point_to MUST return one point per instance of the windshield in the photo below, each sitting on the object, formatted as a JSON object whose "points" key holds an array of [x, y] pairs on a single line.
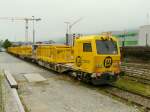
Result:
{"points": [[106, 47]]}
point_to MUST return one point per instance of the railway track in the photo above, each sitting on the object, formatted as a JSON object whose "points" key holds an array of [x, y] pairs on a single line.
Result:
{"points": [[131, 97], [137, 72], [138, 79]]}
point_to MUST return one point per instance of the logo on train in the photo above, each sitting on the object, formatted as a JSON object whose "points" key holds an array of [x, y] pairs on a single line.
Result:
{"points": [[78, 61], [107, 62]]}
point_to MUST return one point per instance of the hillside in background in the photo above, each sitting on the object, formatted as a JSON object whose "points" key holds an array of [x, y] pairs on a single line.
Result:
{"points": [[60, 40]]}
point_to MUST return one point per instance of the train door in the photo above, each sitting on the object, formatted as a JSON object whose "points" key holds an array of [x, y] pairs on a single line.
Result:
{"points": [[87, 56], [84, 56], [78, 54]]}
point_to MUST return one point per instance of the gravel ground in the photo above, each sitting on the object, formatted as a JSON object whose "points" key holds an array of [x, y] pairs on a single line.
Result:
{"points": [[57, 94]]}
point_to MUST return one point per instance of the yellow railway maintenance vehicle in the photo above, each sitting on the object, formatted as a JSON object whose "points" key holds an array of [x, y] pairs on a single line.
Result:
{"points": [[93, 58], [97, 58]]}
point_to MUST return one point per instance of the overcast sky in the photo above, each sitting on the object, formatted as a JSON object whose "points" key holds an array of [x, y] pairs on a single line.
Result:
{"points": [[98, 16]]}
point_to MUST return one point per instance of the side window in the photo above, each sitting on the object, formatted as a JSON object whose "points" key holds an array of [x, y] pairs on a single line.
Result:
{"points": [[87, 47]]}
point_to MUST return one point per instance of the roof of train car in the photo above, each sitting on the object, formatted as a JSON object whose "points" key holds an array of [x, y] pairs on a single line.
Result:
{"points": [[91, 37]]}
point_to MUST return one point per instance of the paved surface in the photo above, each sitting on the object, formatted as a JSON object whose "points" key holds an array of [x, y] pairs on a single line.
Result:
{"points": [[34, 77], [57, 93]]}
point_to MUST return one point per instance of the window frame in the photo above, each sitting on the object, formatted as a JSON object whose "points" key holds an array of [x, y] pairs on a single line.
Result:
{"points": [[85, 49], [99, 53]]}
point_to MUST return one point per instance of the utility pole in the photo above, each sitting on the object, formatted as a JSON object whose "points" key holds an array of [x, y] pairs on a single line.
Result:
{"points": [[33, 30], [26, 30], [69, 33], [146, 40], [124, 38], [33, 20]]}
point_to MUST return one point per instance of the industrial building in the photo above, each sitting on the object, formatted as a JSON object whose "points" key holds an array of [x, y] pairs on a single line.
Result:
{"points": [[127, 38], [140, 37]]}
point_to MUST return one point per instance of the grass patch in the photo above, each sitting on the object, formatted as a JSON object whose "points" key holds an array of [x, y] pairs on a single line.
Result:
{"points": [[133, 86], [25, 107]]}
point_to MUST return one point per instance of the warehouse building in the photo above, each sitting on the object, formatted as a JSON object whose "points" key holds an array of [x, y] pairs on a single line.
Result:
{"points": [[140, 37]]}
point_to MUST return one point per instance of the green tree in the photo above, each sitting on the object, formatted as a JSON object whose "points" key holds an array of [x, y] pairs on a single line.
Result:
{"points": [[1, 43], [6, 44]]}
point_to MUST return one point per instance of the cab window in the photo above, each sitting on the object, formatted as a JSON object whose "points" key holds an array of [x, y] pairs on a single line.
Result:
{"points": [[87, 47], [106, 47]]}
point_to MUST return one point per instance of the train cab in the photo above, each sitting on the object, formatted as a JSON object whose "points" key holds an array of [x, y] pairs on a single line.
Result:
{"points": [[97, 57]]}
